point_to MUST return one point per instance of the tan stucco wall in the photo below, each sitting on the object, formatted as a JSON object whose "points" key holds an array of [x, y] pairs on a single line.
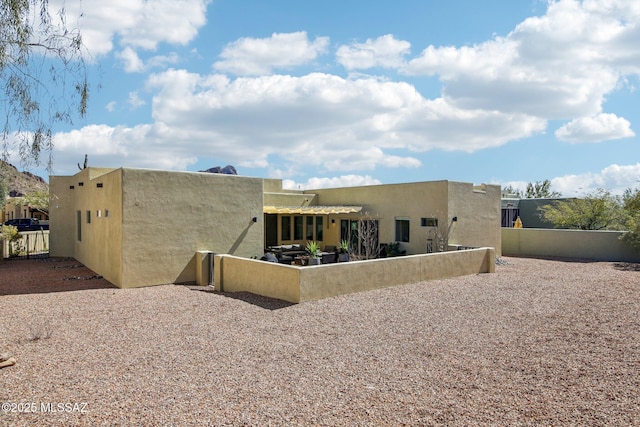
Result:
{"points": [[391, 201], [595, 245], [299, 284], [157, 221], [101, 238], [169, 216], [477, 209], [61, 213], [235, 274], [289, 199]]}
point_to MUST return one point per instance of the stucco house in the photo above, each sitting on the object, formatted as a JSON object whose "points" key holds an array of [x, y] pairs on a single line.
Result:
{"points": [[139, 227], [421, 216]]}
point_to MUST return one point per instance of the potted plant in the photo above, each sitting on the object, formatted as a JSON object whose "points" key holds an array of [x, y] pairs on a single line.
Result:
{"points": [[314, 252], [343, 256]]}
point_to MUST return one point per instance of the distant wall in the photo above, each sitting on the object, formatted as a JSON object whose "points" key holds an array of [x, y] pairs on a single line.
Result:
{"points": [[300, 284], [596, 245]]}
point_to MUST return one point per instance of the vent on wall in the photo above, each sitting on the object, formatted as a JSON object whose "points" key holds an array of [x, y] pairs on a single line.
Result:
{"points": [[99, 185], [71, 187], [80, 184]]}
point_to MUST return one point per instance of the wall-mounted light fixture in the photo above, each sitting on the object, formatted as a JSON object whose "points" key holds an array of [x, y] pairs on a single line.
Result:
{"points": [[254, 219], [454, 219]]}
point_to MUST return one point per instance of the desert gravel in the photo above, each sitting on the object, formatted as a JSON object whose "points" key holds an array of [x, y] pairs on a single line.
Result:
{"points": [[540, 342]]}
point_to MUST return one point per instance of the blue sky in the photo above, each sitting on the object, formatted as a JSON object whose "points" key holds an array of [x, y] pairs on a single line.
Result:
{"points": [[336, 93]]}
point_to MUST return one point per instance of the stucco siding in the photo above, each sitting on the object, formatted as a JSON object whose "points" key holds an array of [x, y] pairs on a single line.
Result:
{"points": [[86, 220], [477, 209], [300, 284], [61, 211], [599, 245], [169, 216]]}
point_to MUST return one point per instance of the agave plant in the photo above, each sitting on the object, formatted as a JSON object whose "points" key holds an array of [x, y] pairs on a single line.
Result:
{"points": [[314, 249]]}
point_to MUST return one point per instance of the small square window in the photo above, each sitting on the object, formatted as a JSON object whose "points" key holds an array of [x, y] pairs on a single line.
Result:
{"points": [[98, 213], [106, 213], [429, 222], [88, 217]]}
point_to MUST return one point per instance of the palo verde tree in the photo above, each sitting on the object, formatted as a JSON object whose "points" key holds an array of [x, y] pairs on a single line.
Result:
{"points": [[535, 190], [631, 201], [43, 79], [540, 190], [3, 195], [598, 211], [37, 200]]}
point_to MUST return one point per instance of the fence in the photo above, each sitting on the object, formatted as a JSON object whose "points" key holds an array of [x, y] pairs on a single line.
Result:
{"points": [[31, 244], [299, 284], [601, 245]]}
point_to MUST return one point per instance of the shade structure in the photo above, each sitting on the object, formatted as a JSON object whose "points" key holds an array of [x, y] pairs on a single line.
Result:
{"points": [[312, 210]]}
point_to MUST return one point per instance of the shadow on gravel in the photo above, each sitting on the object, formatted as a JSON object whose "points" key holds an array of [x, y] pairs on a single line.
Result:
{"points": [[257, 300], [558, 258], [45, 275], [626, 266]]}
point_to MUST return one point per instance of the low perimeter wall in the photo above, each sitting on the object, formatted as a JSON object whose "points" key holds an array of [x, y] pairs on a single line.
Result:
{"points": [[299, 284], [595, 245]]}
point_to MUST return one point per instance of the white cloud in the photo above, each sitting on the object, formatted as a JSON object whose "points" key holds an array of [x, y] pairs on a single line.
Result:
{"points": [[135, 101], [134, 23], [252, 56], [334, 182], [111, 106], [385, 51], [602, 127], [131, 61], [328, 121], [556, 66], [613, 178], [322, 121], [107, 146]]}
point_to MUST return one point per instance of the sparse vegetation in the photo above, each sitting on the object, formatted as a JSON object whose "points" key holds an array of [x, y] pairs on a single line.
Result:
{"points": [[598, 211], [11, 235], [535, 190], [39, 332], [368, 246], [631, 207], [37, 96]]}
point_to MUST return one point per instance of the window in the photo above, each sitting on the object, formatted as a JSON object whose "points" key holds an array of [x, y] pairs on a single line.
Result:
{"points": [[88, 217], [402, 229], [319, 231], [297, 227], [429, 222], [309, 234], [286, 227], [98, 213], [79, 225]]}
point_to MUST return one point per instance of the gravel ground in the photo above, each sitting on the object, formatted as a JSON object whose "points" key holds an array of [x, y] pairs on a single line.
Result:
{"points": [[540, 342]]}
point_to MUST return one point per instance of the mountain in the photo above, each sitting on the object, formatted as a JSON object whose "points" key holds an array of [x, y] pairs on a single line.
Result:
{"points": [[228, 170], [20, 183]]}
